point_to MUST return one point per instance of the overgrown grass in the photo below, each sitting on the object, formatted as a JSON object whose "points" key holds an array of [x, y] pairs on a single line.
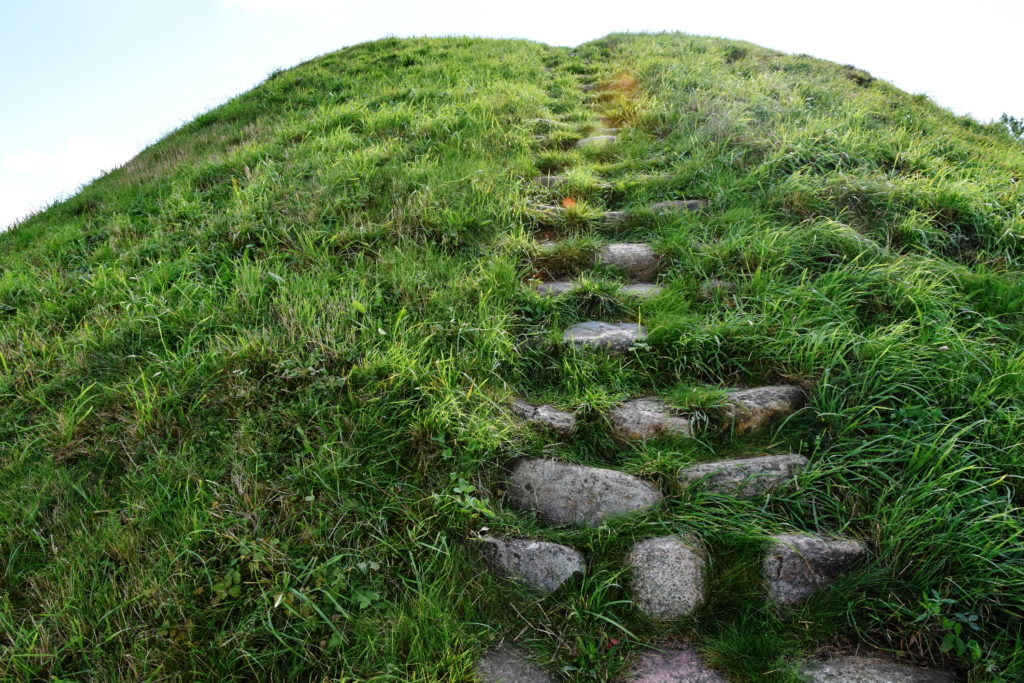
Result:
{"points": [[252, 384]]}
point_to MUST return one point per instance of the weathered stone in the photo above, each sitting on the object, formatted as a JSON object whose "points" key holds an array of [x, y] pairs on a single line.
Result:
{"points": [[750, 410], [871, 669], [550, 181], [555, 287], [796, 565], [539, 565], [615, 218], [588, 87], [612, 337], [646, 418], [641, 290], [678, 205], [545, 416], [673, 665], [668, 576], [713, 287], [507, 665], [744, 477], [596, 141], [564, 493], [549, 211], [545, 124], [636, 258]]}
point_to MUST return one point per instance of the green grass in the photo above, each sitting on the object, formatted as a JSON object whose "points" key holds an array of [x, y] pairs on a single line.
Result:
{"points": [[252, 384]]}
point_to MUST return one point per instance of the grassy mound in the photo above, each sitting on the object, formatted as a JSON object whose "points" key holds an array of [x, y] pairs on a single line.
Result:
{"points": [[253, 384]]}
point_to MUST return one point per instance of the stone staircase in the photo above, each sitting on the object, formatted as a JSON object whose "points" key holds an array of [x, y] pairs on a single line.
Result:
{"points": [[668, 574]]}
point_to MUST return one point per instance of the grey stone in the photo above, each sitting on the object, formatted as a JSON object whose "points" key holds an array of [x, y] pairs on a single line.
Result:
{"points": [[672, 665], [507, 665], [750, 410], [549, 211], [646, 418], [668, 576], [615, 218], [550, 181], [564, 493], [678, 205], [588, 87], [612, 337], [546, 124], [744, 477], [636, 258], [796, 565], [596, 141], [555, 287], [545, 416], [641, 290], [713, 287], [871, 669], [539, 565]]}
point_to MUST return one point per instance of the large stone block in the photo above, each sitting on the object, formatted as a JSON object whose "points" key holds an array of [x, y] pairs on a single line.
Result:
{"points": [[667, 576], [744, 477], [796, 565], [646, 418], [539, 565], [612, 337]]}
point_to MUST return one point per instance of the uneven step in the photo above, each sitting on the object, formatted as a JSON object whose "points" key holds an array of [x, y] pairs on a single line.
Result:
{"points": [[744, 477], [871, 669], [545, 416], [564, 493], [612, 337], [614, 218], [637, 290], [750, 410], [641, 290], [636, 258], [596, 141], [796, 565], [668, 576], [672, 665], [539, 565], [507, 665], [678, 206], [646, 418], [554, 181]]}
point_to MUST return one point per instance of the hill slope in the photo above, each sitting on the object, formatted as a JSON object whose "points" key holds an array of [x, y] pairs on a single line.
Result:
{"points": [[254, 385]]}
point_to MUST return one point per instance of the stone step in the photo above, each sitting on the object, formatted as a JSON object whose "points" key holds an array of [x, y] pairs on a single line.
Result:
{"points": [[552, 182], [611, 337], [565, 493], [545, 416], [744, 477], [505, 664], [870, 669], [750, 410], [672, 665], [647, 418], [796, 565], [637, 290], [667, 576], [541, 566], [637, 259], [678, 206], [596, 141]]}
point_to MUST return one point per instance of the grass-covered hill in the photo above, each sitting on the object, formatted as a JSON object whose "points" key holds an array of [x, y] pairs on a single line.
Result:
{"points": [[255, 384]]}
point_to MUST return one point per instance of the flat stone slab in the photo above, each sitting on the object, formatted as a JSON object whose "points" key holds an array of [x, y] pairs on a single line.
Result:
{"points": [[678, 206], [668, 576], [871, 669], [674, 665], [550, 181], [796, 565], [539, 565], [545, 416], [596, 141], [646, 418], [637, 259], [507, 665], [641, 290], [555, 287], [750, 410], [613, 337], [565, 493], [744, 477], [614, 218]]}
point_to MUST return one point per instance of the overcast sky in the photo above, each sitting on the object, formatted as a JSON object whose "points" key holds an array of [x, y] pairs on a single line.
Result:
{"points": [[86, 84]]}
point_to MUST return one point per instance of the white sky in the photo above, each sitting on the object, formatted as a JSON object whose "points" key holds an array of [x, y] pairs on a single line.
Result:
{"points": [[88, 83]]}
